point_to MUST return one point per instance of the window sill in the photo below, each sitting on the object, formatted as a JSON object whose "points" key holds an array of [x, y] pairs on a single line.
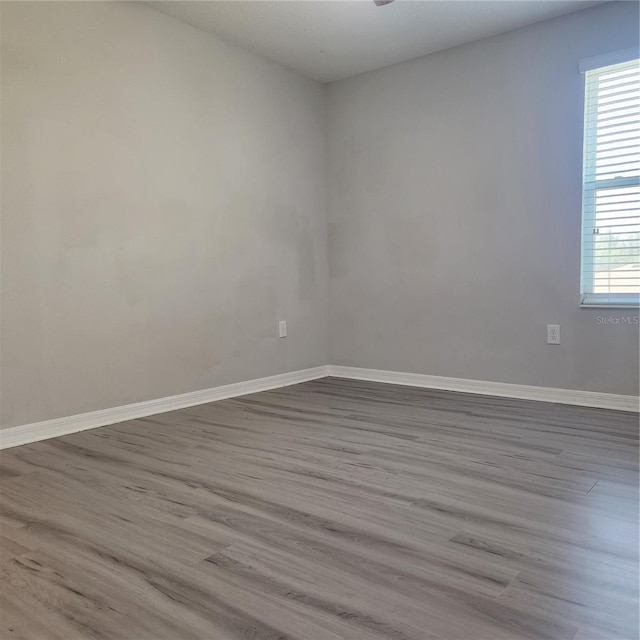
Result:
{"points": [[629, 307], [610, 301]]}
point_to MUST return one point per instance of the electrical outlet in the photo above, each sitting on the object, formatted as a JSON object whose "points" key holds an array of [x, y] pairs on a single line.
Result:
{"points": [[282, 328], [553, 334]]}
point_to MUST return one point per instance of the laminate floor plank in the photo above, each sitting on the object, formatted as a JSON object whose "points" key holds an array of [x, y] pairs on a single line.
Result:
{"points": [[330, 510], [611, 567], [583, 605]]}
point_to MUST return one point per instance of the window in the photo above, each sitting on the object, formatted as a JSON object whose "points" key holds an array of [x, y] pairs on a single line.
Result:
{"points": [[611, 186]]}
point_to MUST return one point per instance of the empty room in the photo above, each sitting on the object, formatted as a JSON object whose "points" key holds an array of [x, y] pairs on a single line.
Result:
{"points": [[319, 320]]}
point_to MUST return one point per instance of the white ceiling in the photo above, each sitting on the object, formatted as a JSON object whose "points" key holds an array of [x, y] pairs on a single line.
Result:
{"points": [[332, 39]]}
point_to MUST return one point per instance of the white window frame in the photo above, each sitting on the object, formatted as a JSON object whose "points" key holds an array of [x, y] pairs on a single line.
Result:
{"points": [[590, 185]]}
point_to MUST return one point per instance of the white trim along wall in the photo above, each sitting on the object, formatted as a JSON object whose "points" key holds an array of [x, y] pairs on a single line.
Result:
{"points": [[24, 434]]}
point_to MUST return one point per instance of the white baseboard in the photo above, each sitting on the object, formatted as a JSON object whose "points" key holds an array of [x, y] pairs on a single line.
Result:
{"points": [[500, 389], [26, 433], [23, 434]]}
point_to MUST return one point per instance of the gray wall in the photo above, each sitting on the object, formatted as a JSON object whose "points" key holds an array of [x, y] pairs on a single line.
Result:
{"points": [[163, 205], [454, 212]]}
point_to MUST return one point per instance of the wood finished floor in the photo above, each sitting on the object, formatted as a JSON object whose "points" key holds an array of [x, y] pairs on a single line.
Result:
{"points": [[332, 509]]}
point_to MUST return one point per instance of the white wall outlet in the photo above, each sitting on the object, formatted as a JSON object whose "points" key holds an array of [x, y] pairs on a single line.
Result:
{"points": [[282, 328], [553, 334]]}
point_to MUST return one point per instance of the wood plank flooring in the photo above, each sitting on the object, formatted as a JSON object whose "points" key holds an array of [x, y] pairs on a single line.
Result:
{"points": [[330, 510]]}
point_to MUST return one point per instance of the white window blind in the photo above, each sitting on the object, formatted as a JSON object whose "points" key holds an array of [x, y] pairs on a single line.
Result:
{"points": [[611, 187]]}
